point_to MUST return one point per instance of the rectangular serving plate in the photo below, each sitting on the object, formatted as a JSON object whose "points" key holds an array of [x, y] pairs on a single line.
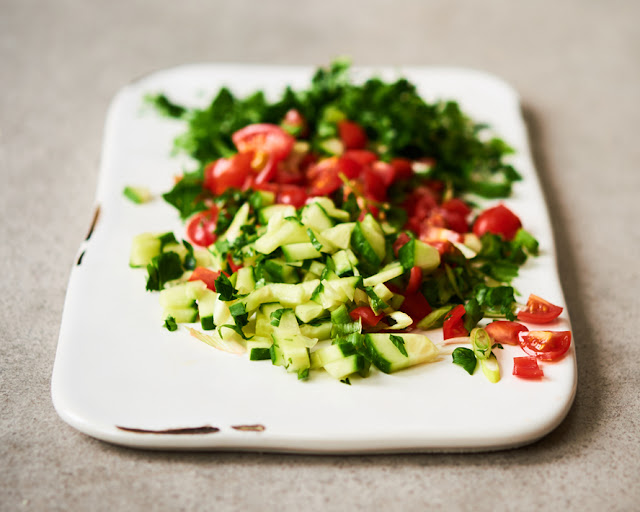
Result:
{"points": [[119, 376]]}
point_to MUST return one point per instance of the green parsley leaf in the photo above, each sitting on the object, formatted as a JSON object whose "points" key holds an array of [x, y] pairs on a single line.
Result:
{"points": [[165, 267], [239, 314], [225, 288], [170, 323], [399, 343], [189, 259], [466, 358]]}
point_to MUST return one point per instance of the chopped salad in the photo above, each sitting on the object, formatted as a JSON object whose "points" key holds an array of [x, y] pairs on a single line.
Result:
{"points": [[333, 228]]}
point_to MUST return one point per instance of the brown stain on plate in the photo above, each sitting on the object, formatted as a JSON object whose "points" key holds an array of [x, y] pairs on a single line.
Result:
{"points": [[249, 428], [206, 429], [96, 215]]}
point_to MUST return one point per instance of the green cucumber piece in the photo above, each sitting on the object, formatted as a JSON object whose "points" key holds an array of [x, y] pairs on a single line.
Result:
{"points": [[285, 210], [239, 220], [416, 253], [300, 251], [341, 368], [315, 217], [391, 271], [388, 358]]}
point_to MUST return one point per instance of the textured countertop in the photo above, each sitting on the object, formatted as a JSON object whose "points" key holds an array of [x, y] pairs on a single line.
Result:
{"points": [[576, 67]]}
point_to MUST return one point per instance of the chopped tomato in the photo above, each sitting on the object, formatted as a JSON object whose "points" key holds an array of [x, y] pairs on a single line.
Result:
{"points": [[294, 124], [402, 239], [292, 194], [324, 176], [227, 173], [415, 305], [455, 212], [453, 326], [201, 227], [527, 368], [386, 172], [264, 138], [207, 276], [373, 186], [352, 135], [504, 331], [402, 168], [539, 311], [498, 220], [362, 156], [443, 246], [232, 264], [545, 345], [415, 279], [366, 314]]}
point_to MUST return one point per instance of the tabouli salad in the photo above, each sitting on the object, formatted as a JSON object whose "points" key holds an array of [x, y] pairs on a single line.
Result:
{"points": [[330, 229]]}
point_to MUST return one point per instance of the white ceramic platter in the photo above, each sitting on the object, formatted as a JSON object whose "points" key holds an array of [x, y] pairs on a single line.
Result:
{"points": [[116, 366]]}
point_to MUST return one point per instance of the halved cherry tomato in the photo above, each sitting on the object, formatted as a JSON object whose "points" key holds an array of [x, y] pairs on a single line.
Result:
{"points": [[498, 220], [455, 212], [527, 368], [456, 205], [366, 314], [227, 173], [201, 227], [539, 311], [352, 135], [545, 345], [374, 187], [504, 331], [292, 194], [207, 276], [453, 326], [415, 305], [415, 279]]}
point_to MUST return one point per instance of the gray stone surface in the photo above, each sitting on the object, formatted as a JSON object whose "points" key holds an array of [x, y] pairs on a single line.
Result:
{"points": [[576, 65]]}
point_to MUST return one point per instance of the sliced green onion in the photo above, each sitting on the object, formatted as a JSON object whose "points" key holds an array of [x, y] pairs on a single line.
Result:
{"points": [[490, 368], [481, 343]]}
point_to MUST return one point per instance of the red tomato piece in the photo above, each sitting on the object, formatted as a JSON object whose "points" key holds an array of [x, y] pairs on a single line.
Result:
{"points": [[504, 331], [386, 172], [264, 138], [402, 239], [366, 314], [207, 276], [294, 123], [403, 168], [292, 194], [373, 186], [352, 135], [539, 311], [498, 220], [545, 345], [453, 326], [324, 176], [415, 305], [415, 279], [527, 368], [232, 265], [362, 156], [227, 173], [201, 227], [456, 205]]}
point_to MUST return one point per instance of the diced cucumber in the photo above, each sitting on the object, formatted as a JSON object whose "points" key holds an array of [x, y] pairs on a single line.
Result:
{"points": [[257, 297], [182, 315], [264, 328], [289, 295], [332, 146], [285, 210], [317, 268], [383, 292], [239, 220], [300, 251], [340, 234], [315, 217], [182, 295], [369, 260], [308, 311], [387, 357], [286, 231], [331, 353], [138, 195], [342, 263], [259, 348], [398, 320], [347, 285], [260, 199], [329, 207], [345, 366], [416, 253], [144, 248], [290, 353], [288, 324], [391, 271], [277, 271], [206, 304], [374, 235], [245, 282], [319, 330]]}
